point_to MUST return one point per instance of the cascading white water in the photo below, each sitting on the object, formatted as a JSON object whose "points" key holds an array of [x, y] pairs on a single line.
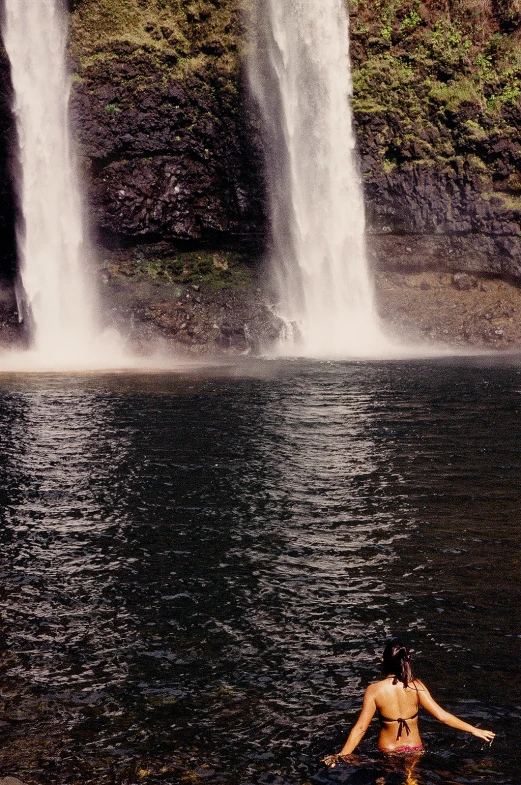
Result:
{"points": [[59, 297], [300, 77]]}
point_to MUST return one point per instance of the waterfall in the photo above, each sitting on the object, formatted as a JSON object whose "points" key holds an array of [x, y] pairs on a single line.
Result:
{"points": [[299, 72], [53, 252]]}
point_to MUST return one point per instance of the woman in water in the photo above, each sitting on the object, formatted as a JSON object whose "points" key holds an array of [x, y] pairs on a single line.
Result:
{"points": [[397, 699]]}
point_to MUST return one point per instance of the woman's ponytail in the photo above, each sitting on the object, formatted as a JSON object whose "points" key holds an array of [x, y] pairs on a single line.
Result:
{"points": [[397, 662]]}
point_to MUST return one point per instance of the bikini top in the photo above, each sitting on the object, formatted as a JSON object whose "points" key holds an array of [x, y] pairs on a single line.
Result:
{"points": [[402, 724]]}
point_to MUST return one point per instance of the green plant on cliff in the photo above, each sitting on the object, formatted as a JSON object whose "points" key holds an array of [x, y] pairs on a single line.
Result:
{"points": [[452, 95], [512, 90], [475, 131], [498, 71], [209, 269], [448, 82], [507, 95], [397, 76], [411, 21], [484, 65], [188, 33], [386, 31], [448, 43]]}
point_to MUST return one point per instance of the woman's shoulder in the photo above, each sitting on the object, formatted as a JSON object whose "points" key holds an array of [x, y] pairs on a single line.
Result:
{"points": [[373, 688], [417, 684], [377, 686]]}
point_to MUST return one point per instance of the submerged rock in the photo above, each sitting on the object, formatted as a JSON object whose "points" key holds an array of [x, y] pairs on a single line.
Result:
{"points": [[10, 781]]}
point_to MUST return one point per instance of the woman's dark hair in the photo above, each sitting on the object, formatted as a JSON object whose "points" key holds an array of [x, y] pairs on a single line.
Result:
{"points": [[397, 662]]}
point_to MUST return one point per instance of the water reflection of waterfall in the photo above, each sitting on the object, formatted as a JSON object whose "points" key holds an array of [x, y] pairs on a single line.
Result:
{"points": [[59, 542], [322, 534], [300, 78], [335, 478]]}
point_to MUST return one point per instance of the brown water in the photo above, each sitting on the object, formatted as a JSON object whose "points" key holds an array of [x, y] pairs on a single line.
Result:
{"points": [[198, 573]]}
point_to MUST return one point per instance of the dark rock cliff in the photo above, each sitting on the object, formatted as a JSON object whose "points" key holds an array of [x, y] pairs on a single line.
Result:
{"points": [[438, 108], [159, 109], [168, 157]]}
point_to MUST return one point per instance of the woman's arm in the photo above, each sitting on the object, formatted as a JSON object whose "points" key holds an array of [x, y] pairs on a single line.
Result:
{"points": [[358, 730], [427, 702], [360, 727]]}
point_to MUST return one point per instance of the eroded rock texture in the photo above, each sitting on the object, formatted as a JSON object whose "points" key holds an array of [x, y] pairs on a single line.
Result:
{"points": [[426, 210], [159, 106], [168, 157]]}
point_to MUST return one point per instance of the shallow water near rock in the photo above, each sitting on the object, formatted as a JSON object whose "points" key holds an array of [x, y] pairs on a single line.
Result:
{"points": [[198, 571]]}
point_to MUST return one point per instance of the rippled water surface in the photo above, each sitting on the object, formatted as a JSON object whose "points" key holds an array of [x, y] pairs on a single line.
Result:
{"points": [[198, 572]]}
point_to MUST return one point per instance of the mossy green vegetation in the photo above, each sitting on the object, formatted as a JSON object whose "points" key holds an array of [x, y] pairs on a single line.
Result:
{"points": [[214, 270], [187, 33], [420, 60], [451, 95], [409, 43], [511, 201], [448, 73]]}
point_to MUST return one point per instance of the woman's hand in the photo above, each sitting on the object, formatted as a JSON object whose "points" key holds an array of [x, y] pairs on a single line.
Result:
{"points": [[485, 735], [333, 760]]}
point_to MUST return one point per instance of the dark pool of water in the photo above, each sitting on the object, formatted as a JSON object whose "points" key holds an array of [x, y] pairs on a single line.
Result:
{"points": [[197, 573]]}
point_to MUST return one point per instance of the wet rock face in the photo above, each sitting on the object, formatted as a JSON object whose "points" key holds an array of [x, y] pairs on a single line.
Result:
{"points": [[428, 213], [192, 319], [178, 159], [169, 158], [422, 198], [471, 253]]}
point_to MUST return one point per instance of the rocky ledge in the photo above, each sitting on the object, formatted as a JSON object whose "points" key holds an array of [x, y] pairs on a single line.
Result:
{"points": [[456, 310], [190, 318], [222, 309], [203, 303]]}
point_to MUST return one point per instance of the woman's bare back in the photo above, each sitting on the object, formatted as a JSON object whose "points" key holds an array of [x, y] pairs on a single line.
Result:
{"points": [[397, 708]]}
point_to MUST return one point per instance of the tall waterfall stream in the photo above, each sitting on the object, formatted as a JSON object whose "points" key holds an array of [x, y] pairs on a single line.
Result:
{"points": [[58, 298], [300, 78]]}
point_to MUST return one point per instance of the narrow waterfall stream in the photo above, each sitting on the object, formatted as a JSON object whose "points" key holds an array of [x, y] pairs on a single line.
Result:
{"points": [[300, 78], [59, 298]]}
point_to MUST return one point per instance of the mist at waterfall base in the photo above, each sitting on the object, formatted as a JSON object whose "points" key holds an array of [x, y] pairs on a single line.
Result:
{"points": [[300, 78], [198, 573]]}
